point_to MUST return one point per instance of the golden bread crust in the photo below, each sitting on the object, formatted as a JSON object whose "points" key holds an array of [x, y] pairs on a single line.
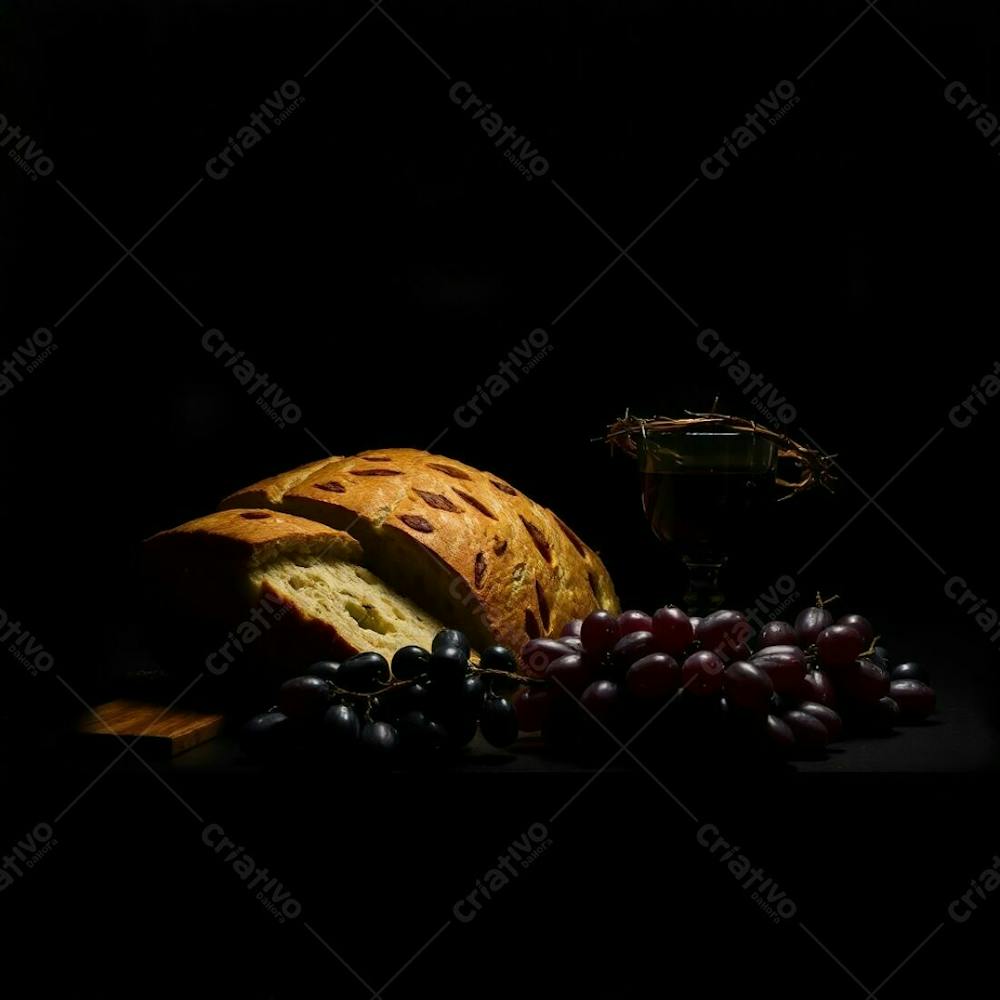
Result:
{"points": [[253, 537], [463, 543], [269, 491]]}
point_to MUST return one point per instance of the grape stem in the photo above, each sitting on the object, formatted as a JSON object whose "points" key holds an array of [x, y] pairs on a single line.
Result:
{"points": [[871, 649], [520, 678], [397, 685], [821, 603]]}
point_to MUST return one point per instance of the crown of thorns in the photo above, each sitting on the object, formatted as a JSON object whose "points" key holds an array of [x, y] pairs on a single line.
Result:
{"points": [[816, 467]]}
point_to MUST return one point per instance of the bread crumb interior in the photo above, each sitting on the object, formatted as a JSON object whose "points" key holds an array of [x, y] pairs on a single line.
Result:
{"points": [[353, 600]]}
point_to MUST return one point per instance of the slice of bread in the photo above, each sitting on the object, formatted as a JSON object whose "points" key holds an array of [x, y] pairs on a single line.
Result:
{"points": [[360, 612], [246, 586]]}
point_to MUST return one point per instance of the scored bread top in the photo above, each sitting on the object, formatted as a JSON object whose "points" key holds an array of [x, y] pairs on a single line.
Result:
{"points": [[270, 491], [255, 537], [463, 543]]}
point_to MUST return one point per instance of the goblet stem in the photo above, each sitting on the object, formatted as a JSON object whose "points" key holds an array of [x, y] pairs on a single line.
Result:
{"points": [[704, 595]]}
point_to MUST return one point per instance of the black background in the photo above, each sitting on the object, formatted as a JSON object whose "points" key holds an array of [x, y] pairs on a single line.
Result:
{"points": [[378, 257]]}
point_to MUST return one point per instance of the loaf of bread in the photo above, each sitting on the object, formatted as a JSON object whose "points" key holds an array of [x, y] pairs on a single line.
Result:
{"points": [[464, 545], [271, 587]]}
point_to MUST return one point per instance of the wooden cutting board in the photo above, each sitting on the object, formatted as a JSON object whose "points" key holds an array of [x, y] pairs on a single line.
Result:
{"points": [[161, 732]]}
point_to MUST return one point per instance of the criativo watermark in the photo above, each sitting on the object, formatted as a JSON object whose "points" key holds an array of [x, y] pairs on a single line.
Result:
{"points": [[26, 153], [270, 397], [520, 854], [36, 349], [26, 648], [261, 619], [778, 102], [766, 893], [26, 853], [774, 601], [520, 361], [961, 414], [986, 122], [268, 891], [272, 112], [766, 400], [519, 152], [977, 608], [988, 881]]}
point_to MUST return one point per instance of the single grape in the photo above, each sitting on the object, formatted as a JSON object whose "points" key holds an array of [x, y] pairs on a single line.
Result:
{"points": [[267, 735], [572, 628], [411, 721], [778, 734], [398, 701], [537, 654], [363, 672], [472, 693], [888, 709], [603, 700], [830, 719], [701, 673], [461, 728], [420, 734], [410, 662], [777, 634], [908, 672], [599, 632], [568, 675], [879, 717], [808, 730], [839, 645], [630, 648], [498, 722], [634, 621], [809, 623], [673, 630], [655, 675], [304, 697], [498, 658], [863, 682], [379, 741], [860, 625], [450, 637], [747, 687], [724, 633], [435, 736], [532, 705], [448, 664], [916, 700], [881, 656], [785, 665], [325, 670], [340, 727], [817, 686]]}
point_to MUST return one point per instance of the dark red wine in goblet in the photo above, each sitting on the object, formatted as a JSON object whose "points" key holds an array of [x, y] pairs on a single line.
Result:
{"points": [[702, 491]]}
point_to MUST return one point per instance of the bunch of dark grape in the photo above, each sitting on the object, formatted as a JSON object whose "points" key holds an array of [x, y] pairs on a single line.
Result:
{"points": [[364, 709], [790, 688]]}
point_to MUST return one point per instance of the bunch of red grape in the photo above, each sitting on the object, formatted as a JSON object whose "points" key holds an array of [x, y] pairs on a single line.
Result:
{"points": [[796, 691]]}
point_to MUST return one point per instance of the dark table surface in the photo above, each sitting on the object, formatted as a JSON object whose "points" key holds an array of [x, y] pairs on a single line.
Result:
{"points": [[871, 844]]}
